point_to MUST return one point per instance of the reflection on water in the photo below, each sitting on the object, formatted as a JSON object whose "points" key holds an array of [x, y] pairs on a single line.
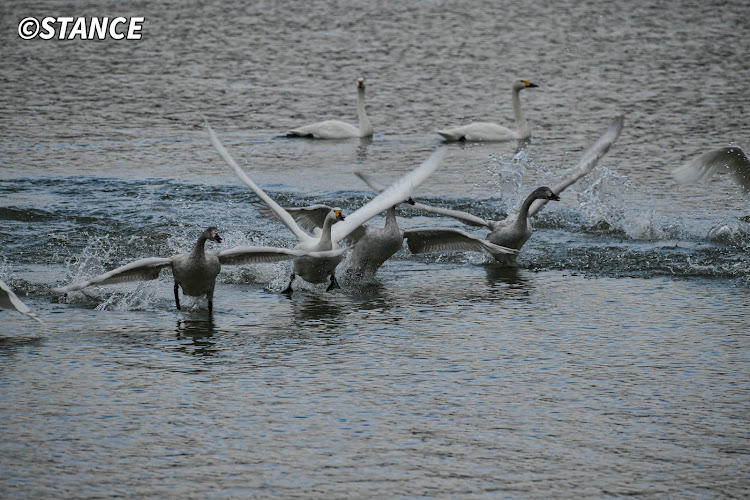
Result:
{"points": [[199, 330], [317, 307]]}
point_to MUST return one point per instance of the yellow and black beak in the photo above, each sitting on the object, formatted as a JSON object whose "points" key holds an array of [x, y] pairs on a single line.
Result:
{"points": [[529, 84], [339, 214]]}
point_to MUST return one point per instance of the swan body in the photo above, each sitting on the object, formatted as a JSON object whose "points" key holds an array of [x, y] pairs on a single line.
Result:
{"points": [[486, 131], [701, 168], [9, 300], [194, 272], [514, 231], [336, 129], [370, 246], [336, 228]]}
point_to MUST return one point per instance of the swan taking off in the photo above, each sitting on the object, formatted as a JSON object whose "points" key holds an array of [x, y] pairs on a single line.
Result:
{"points": [[194, 272], [336, 228], [487, 131], [9, 300], [336, 129], [700, 169], [516, 230]]}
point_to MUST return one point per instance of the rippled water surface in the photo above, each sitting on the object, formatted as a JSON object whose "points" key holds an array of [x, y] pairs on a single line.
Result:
{"points": [[612, 361]]}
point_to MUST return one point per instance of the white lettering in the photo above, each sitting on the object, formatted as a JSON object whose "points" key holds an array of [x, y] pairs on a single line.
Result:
{"points": [[98, 26], [63, 25], [79, 29], [134, 29], [48, 31], [114, 34]]}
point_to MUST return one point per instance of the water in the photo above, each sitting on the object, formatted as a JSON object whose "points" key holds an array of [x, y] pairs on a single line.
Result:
{"points": [[611, 362]]}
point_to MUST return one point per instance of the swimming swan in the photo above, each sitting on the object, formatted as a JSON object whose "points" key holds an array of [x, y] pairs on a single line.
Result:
{"points": [[701, 168], [336, 129], [516, 230], [9, 300], [485, 131], [313, 269], [194, 272]]}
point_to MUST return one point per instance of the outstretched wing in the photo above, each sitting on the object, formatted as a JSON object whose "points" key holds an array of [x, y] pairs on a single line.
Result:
{"points": [[309, 218], [280, 213], [396, 193], [258, 255], [140, 270], [701, 169], [450, 240], [9, 300], [466, 218], [589, 158]]}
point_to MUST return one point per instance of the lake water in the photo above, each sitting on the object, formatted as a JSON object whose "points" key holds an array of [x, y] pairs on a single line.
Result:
{"points": [[612, 361]]}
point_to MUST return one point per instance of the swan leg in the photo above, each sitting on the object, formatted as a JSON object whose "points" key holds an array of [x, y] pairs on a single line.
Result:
{"points": [[334, 284], [177, 294], [210, 306], [288, 289]]}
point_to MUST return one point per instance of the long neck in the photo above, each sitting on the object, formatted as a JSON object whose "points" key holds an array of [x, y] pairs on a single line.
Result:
{"points": [[523, 214], [365, 127], [199, 247], [390, 218], [325, 234], [521, 123]]}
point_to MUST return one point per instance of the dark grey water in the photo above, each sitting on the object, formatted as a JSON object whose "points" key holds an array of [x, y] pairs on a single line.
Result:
{"points": [[613, 361]]}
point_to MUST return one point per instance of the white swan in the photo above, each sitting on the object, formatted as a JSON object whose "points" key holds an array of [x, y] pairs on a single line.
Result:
{"points": [[194, 272], [371, 246], [514, 231], [487, 131], [314, 269], [336, 129], [9, 300], [701, 168]]}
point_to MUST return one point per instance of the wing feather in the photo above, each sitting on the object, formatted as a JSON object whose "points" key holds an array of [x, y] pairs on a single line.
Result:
{"points": [[139, 270]]}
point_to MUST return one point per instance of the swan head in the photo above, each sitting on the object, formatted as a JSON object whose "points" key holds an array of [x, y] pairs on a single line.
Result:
{"points": [[545, 193], [336, 215], [360, 83], [523, 84], [212, 234]]}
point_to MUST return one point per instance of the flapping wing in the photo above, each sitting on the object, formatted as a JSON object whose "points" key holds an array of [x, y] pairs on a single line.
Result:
{"points": [[9, 300], [309, 218], [589, 158], [450, 240], [280, 213], [701, 169], [140, 270], [466, 218], [394, 194], [258, 255]]}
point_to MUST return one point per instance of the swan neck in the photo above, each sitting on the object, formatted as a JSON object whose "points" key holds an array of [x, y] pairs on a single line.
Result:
{"points": [[523, 213], [325, 233], [517, 111], [390, 217], [199, 247], [365, 127]]}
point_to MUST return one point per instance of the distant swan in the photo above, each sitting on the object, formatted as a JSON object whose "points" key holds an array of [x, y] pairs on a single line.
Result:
{"points": [[485, 131], [516, 230], [336, 129], [9, 300], [194, 272], [335, 228], [701, 168]]}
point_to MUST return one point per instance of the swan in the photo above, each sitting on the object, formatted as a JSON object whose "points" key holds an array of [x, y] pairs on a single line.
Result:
{"points": [[486, 131], [336, 129], [9, 300], [704, 166], [516, 230], [371, 246], [336, 228], [194, 272]]}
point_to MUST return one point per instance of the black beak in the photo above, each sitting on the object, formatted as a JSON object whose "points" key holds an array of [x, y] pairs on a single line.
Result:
{"points": [[553, 197], [217, 238], [533, 84], [410, 201]]}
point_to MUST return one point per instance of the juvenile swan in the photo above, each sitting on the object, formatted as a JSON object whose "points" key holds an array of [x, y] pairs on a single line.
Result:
{"points": [[314, 269], [701, 168], [194, 272], [516, 230], [486, 131], [336, 129], [9, 300]]}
